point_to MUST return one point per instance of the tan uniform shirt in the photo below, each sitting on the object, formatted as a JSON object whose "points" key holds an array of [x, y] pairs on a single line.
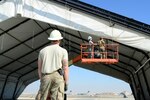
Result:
{"points": [[52, 57], [101, 43]]}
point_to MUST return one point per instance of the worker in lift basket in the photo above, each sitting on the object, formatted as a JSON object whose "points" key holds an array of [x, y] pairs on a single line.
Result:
{"points": [[101, 43], [53, 69], [90, 47]]}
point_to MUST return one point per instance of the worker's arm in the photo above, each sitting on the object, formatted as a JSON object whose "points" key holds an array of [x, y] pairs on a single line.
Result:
{"points": [[66, 71], [39, 68], [91, 42], [103, 43]]}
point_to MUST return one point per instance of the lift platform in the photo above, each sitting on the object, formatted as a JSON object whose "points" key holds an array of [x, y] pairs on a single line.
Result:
{"points": [[95, 55]]}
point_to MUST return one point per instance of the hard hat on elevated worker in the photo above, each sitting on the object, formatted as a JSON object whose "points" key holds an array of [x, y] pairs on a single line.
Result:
{"points": [[89, 38], [55, 35]]}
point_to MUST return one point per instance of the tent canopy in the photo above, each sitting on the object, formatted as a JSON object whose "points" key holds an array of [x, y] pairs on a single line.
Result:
{"points": [[25, 26]]}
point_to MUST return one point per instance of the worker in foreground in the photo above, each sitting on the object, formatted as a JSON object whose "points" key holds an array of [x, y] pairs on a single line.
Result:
{"points": [[53, 69]]}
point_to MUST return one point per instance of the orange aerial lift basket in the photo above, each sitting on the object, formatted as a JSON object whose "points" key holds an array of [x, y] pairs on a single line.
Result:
{"points": [[94, 54]]}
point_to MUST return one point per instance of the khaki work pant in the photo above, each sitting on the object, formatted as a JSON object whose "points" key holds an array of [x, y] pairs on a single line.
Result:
{"points": [[53, 84]]}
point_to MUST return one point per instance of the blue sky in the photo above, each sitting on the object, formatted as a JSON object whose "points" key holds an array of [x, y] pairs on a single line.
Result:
{"points": [[82, 80], [136, 9]]}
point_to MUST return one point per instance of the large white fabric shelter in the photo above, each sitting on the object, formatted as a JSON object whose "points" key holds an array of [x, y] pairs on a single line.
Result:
{"points": [[25, 26]]}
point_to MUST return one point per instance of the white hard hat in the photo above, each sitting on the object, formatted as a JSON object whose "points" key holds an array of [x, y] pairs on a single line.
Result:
{"points": [[55, 35], [89, 38]]}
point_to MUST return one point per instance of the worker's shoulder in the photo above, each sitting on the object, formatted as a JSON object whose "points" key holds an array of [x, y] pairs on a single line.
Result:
{"points": [[43, 49], [63, 49], [53, 47]]}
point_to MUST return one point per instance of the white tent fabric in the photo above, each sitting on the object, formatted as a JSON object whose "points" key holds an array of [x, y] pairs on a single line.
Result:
{"points": [[50, 12], [21, 39]]}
